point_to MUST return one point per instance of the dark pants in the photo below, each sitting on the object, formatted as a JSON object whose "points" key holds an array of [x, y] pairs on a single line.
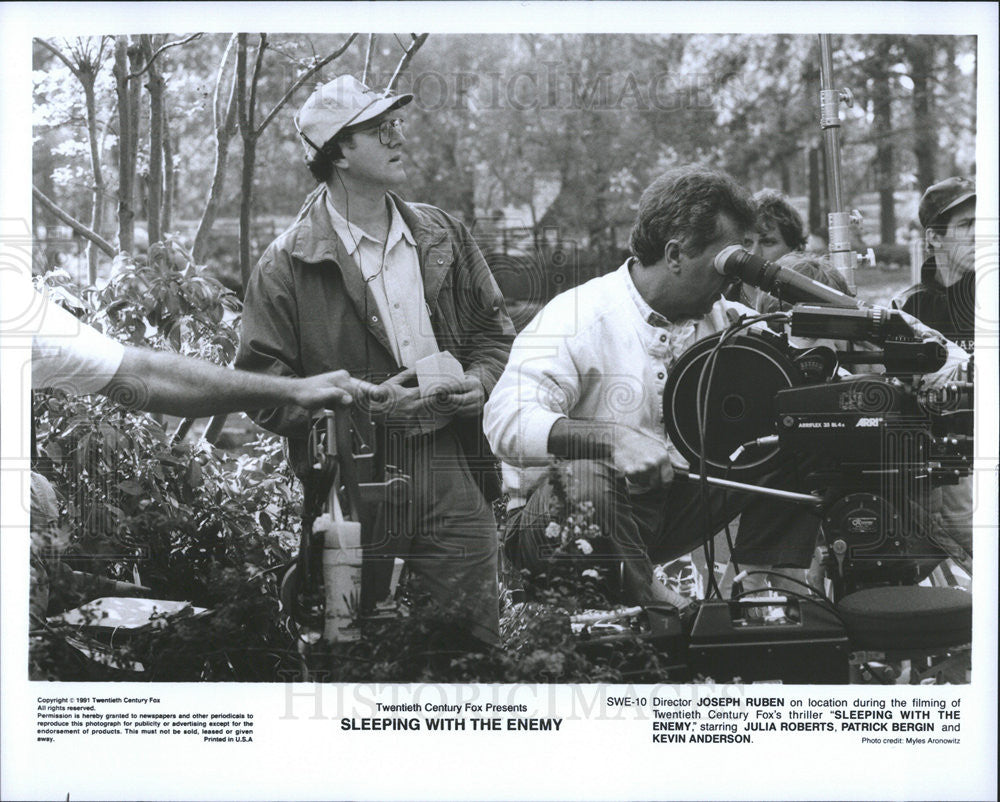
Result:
{"points": [[660, 525], [450, 541]]}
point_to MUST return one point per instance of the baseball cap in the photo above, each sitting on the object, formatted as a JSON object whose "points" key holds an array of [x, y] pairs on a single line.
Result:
{"points": [[341, 103], [943, 196]]}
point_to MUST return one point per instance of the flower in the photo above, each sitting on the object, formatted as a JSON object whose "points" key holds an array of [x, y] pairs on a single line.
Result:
{"points": [[552, 531], [591, 572], [584, 546]]}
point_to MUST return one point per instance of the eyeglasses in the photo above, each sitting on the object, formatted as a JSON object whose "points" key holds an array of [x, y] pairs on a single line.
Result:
{"points": [[386, 129]]}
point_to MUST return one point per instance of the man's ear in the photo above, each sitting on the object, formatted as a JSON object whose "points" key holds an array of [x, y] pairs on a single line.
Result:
{"points": [[343, 145], [932, 239], [672, 254]]}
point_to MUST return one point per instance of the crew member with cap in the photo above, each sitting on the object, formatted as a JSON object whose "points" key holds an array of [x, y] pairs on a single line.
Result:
{"points": [[365, 282], [945, 299]]}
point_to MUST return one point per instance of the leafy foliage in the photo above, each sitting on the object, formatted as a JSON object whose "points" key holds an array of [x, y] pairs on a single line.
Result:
{"points": [[188, 521], [562, 131]]}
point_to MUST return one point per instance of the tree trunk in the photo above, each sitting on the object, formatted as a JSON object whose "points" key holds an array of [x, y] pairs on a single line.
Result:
{"points": [[169, 175], [785, 172], [127, 124], [244, 113], [920, 53], [369, 53], [885, 163], [946, 81], [155, 88], [97, 207], [246, 109], [811, 86], [223, 135], [246, 205]]}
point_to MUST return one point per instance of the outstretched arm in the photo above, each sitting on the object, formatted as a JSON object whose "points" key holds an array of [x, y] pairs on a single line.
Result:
{"points": [[157, 381]]}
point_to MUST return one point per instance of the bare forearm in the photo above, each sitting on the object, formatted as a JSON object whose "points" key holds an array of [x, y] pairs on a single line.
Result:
{"points": [[157, 381]]}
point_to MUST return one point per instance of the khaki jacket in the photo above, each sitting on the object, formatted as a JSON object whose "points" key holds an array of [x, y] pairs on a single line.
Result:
{"points": [[303, 314]]}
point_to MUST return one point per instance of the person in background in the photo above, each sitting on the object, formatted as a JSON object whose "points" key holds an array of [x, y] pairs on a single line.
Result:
{"points": [[945, 297], [778, 230], [945, 300], [779, 227]]}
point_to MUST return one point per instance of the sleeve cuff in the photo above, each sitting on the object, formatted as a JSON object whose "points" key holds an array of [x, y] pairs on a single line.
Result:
{"points": [[533, 435]]}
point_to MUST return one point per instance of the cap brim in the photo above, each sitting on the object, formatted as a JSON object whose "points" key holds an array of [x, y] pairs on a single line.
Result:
{"points": [[957, 202], [380, 107]]}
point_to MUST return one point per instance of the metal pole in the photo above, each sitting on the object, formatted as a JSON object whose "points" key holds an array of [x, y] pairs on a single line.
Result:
{"points": [[785, 495], [842, 258], [830, 123]]}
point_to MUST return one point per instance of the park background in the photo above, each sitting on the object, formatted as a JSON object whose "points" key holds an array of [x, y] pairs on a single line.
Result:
{"points": [[532, 140]]}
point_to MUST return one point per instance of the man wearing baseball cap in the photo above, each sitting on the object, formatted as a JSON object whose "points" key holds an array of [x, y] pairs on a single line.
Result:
{"points": [[371, 284], [945, 298]]}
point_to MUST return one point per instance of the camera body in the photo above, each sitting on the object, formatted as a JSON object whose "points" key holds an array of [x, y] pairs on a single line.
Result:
{"points": [[744, 402]]}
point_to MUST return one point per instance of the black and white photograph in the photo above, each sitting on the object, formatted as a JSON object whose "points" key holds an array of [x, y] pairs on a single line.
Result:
{"points": [[529, 361]]}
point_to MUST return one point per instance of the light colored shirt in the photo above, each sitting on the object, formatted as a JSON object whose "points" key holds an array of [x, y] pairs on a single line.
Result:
{"points": [[597, 352], [392, 271], [69, 355]]}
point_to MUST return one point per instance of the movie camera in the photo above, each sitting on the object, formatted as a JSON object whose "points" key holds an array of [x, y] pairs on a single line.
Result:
{"points": [[873, 445], [773, 396]]}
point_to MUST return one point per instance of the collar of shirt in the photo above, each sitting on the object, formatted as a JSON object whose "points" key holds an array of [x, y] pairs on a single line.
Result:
{"points": [[676, 334], [352, 235]]}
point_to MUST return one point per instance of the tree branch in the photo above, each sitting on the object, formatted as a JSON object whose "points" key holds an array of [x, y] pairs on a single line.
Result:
{"points": [[72, 222], [105, 40], [254, 79], [218, 83], [161, 48], [303, 78], [62, 57], [417, 39], [368, 58]]}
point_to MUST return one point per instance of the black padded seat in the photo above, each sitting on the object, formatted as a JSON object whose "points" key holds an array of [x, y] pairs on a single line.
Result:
{"points": [[911, 617]]}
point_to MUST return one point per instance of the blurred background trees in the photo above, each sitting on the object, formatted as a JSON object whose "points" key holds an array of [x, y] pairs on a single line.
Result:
{"points": [[536, 140]]}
